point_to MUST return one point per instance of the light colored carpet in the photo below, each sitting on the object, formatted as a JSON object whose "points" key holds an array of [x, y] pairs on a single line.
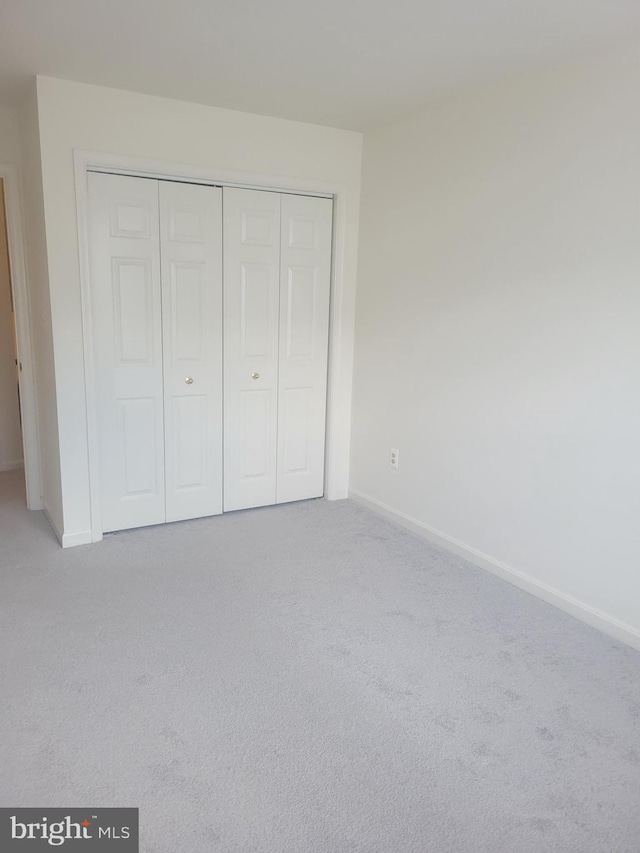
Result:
{"points": [[308, 679]]}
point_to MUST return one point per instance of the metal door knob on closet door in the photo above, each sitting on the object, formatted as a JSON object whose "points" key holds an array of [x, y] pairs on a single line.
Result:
{"points": [[255, 376], [189, 380]]}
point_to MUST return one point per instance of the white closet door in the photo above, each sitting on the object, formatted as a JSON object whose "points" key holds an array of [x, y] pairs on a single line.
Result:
{"points": [[305, 276], [251, 284], [191, 253], [126, 307]]}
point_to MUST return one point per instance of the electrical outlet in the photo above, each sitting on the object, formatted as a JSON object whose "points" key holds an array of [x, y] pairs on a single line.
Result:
{"points": [[394, 457]]}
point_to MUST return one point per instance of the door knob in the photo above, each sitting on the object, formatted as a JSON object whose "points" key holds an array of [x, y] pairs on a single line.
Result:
{"points": [[189, 380], [255, 376]]}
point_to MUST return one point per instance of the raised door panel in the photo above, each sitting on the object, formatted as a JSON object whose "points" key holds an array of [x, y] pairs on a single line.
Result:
{"points": [[191, 249], [126, 313], [133, 310], [251, 300], [136, 420], [304, 325]]}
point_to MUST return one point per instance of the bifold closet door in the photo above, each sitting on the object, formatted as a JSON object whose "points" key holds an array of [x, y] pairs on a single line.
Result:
{"points": [[127, 330], [277, 258], [156, 295], [251, 299], [191, 272], [163, 400], [305, 275]]}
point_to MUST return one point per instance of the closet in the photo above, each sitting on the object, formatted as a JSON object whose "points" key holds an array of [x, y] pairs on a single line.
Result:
{"points": [[210, 313]]}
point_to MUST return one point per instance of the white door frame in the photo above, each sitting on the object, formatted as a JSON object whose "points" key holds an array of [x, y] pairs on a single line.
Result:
{"points": [[22, 313], [85, 161]]}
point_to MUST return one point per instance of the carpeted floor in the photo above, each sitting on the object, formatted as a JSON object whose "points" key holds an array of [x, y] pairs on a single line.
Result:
{"points": [[308, 679]]}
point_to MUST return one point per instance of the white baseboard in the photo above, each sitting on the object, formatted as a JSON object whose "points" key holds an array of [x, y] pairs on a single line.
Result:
{"points": [[596, 618], [11, 466], [82, 537], [51, 521], [67, 540]]}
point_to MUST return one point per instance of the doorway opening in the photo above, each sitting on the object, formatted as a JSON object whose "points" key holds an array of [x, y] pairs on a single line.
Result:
{"points": [[11, 450], [19, 447]]}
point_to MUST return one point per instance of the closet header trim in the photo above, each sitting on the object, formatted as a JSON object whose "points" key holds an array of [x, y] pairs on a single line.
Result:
{"points": [[203, 182]]}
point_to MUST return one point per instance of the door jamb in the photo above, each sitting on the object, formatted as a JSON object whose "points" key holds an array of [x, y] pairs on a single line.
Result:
{"points": [[86, 161], [22, 312]]}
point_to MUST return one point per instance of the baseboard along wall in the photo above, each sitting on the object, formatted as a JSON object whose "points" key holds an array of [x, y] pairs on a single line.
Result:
{"points": [[596, 618]]}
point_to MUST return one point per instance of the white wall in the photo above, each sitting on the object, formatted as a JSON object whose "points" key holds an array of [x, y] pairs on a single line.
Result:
{"points": [[75, 116], [9, 135], [498, 331], [10, 434]]}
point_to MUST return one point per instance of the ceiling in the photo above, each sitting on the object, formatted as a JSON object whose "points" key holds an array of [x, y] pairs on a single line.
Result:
{"points": [[343, 63]]}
